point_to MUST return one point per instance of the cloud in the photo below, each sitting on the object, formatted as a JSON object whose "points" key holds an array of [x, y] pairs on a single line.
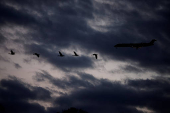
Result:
{"points": [[153, 84], [94, 95], [17, 66], [97, 95], [4, 59], [13, 16], [2, 39], [115, 97], [15, 96], [132, 69], [67, 82], [27, 61]]}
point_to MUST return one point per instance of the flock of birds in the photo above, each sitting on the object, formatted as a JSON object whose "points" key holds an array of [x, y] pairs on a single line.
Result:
{"points": [[60, 54]]}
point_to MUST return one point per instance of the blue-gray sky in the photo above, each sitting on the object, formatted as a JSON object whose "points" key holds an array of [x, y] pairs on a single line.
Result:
{"points": [[120, 80]]}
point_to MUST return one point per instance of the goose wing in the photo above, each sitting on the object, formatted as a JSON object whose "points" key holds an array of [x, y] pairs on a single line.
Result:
{"points": [[12, 52], [95, 55], [37, 54], [60, 53], [75, 53]]}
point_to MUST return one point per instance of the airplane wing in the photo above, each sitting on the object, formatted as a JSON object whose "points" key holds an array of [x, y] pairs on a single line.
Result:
{"points": [[124, 45]]}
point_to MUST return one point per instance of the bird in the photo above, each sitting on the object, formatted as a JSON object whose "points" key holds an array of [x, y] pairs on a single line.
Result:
{"points": [[61, 55], [75, 54], [95, 55], [38, 55], [12, 53]]}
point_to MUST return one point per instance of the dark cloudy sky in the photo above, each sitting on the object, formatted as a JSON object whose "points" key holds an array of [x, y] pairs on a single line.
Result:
{"points": [[123, 80]]}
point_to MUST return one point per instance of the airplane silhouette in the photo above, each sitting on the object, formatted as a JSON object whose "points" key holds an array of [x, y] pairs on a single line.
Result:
{"points": [[61, 55], [136, 45], [12, 53], [38, 55], [75, 54], [95, 55]]}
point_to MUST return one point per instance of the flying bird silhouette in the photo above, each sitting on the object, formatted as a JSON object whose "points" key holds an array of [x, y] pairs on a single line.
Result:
{"points": [[95, 55], [12, 53], [38, 55], [61, 55], [75, 54]]}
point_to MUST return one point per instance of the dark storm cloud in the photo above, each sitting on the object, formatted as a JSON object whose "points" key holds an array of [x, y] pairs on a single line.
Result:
{"points": [[159, 84], [15, 95], [11, 15], [110, 96], [98, 95], [116, 98], [17, 66], [102, 95], [23, 90]]}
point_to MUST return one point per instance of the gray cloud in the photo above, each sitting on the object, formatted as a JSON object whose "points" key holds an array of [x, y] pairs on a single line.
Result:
{"points": [[67, 82], [110, 96], [17, 66], [115, 96], [27, 60], [15, 95], [4, 59], [132, 69], [104, 95], [2, 39]]}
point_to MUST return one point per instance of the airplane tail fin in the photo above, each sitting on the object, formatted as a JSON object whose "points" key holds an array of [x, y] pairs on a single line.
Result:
{"points": [[152, 42]]}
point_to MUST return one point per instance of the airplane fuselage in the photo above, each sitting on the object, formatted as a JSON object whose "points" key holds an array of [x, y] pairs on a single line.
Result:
{"points": [[135, 45]]}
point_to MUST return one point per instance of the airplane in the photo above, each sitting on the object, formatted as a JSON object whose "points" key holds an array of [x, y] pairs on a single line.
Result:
{"points": [[95, 55], [75, 54], [12, 53], [38, 55], [61, 55], [136, 45]]}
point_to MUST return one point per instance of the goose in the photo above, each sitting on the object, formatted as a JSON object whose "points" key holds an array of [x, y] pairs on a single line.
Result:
{"points": [[61, 55], [12, 53], [75, 54], [95, 55], [38, 55]]}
